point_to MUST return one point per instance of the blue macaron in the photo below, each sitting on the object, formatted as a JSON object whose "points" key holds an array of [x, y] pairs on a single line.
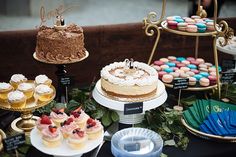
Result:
{"points": [[204, 74], [180, 59], [168, 70], [170, 64], [198, 77], [201, 27], [179, 20], [192, 66]]}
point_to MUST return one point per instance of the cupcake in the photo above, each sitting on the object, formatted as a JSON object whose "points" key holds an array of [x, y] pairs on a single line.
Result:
{"points": [[51, 137], [43, 122], [77, 139], [80, 117], [16, 79], [5, 88], [43, 79], [27, 89], [67, 127], [58, 116], [43, 92], [94, 129], [17, 99]]}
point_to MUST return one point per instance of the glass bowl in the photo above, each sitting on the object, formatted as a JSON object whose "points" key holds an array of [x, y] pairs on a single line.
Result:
{"points": [[136, 142]]}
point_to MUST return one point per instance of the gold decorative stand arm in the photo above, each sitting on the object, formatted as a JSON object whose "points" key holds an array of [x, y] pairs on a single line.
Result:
{"points": [[151, 25]]}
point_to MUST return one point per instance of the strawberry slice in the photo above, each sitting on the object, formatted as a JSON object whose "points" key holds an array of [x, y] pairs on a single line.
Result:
{"points": [[80, 133], [89, 121], [52, 129], [45, 120], [68, 121], [58, 111]]}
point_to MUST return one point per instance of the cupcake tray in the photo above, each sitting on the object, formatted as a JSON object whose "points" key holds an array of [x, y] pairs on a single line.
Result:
{"points": [[63, 150], [208, 136], [31, 103]]}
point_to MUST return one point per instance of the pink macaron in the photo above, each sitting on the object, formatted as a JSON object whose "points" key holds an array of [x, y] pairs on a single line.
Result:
{"points": [[191, 28], [184, 75], [164, 67], [200, 60], [190, 59], [202, 66], [210, 26], [195, 17], [185, 62], [192, 81], [164, 60], [204, 82], [190, 73], [159, 63], [179, 65], [195, 71], [182, 26], [158, 68], [190, 21], [161, 73], [194, 62], [176, 62], [212, 79], [175, 74], [170, 18], [174, 68], [167, 78], [213, 73], [185, 69], [172, 24]]}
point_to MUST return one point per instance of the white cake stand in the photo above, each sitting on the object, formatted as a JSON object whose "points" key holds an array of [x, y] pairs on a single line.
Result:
{"points": [[102, 98], [229, 49], [63, 150]]}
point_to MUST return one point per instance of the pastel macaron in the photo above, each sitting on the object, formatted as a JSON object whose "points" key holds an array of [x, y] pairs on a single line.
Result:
{"points": [[159, 63], [179, 20], [195, 17], [158, 68], [180, 59], [167, 78], [210, 26], [170, 18], [161, 73], [185, 62], [204, 82], [168, 70], [204, 74], [195, 62], [179, 65], [190, 73], [191, 28], [182, 26], [170, 64], [164, 67], [200, 60], [185, 69], [192, 66], [201, 27], [195, 71], [198, 77], [192, 81], [190, 59], [164, 60], [212, 79], [175, 74], [171, 58], [172, 24]]}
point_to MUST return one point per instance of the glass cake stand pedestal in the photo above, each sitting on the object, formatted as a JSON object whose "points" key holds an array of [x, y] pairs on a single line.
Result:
{"points": [[62, 78], [118, 104], [26, 122]]}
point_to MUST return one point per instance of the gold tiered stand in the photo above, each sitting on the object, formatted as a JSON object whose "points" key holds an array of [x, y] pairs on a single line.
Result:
{"points": [[26, 122], [151, 25]]}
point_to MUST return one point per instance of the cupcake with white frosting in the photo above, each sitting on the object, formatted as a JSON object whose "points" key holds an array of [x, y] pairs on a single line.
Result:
{"points": [[43, 79], [17, 99], [27, 89], [5, 88], [43, 92], [16, 79], [94, 129]]}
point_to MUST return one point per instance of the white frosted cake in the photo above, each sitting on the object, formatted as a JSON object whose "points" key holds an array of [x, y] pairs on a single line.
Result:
{"points": [[129, 79]]}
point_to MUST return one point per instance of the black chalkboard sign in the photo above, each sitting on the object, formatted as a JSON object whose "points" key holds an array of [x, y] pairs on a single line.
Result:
{"points": [[66, 80], [228, 65], [228, 77], [13, 142], [180, 83], [133, 108]]}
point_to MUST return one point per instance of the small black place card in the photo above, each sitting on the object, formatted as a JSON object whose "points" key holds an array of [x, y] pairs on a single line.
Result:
{"points": [[228, 65], [133, 108], [228, 77], [13, 142], [66, 80], [180, 83]]}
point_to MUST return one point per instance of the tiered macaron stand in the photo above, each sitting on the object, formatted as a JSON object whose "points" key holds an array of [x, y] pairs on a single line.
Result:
{"points": [[26, 122], [117, 103], [151, 26], [60, 73]]}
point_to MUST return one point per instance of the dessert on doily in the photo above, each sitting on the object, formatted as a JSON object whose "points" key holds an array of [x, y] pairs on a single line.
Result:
{"points": [[69, 131], [19, 90], [191, 24], [129, 79], [60, 44], [199, 72]]}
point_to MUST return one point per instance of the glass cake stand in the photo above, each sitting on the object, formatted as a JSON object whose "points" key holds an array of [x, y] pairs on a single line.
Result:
{"points": [[62, 94], [117, 103], [26, 122], [63, 150]]}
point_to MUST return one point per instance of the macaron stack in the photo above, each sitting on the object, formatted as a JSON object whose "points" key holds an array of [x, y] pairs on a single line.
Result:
{"points": [[193, 24], [199, 72]]}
